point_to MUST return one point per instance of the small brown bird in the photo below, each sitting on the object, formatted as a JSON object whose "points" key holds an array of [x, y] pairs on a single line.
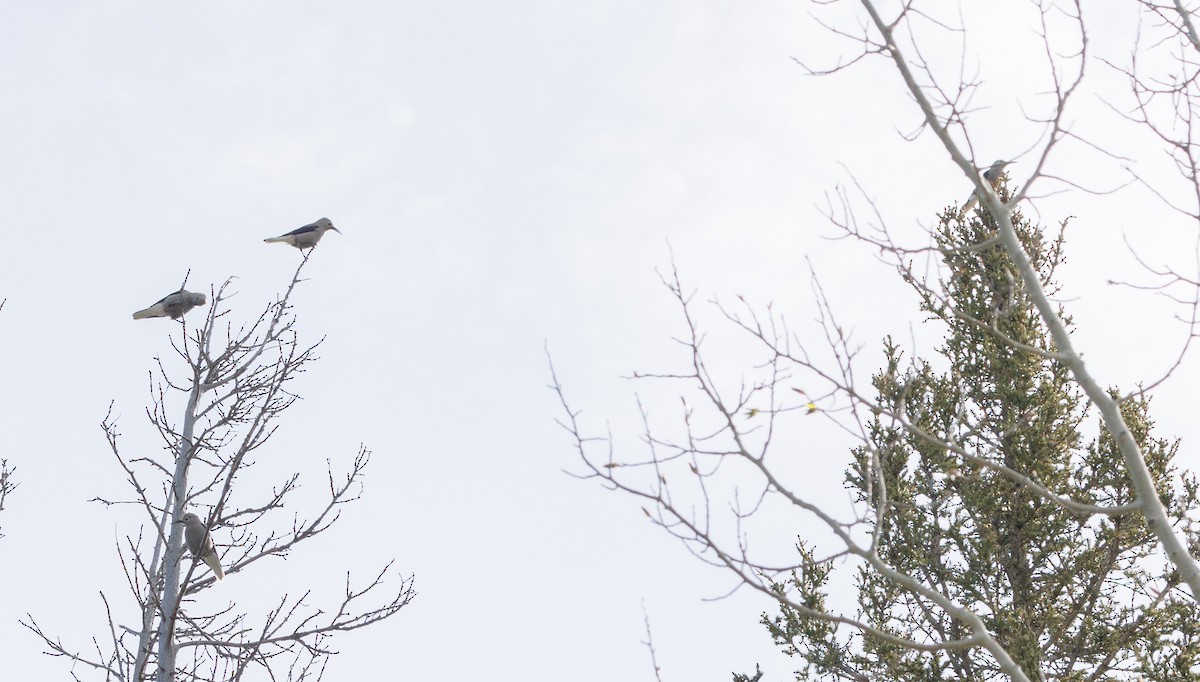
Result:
{"points": [[305, 237], [173, 305], [198, 537]]}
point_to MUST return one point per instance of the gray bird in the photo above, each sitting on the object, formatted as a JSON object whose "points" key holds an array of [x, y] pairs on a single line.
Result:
{"points": [[992, 175], [172, 305], [197, 536], [305, 237]]}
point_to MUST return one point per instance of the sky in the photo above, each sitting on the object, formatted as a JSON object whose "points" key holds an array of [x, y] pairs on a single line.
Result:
{"points": [[510, 180]]}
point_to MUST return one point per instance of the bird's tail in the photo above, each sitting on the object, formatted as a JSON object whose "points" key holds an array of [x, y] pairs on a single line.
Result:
{"points": [[147, 312], [271, 240], [971, 202], [215, 564]]}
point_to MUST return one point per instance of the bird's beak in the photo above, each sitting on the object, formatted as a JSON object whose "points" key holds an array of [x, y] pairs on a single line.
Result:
{"points": [[335, 229]]}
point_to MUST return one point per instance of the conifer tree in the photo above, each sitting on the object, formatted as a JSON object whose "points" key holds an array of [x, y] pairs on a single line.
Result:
{"points": [[1071, 594]]}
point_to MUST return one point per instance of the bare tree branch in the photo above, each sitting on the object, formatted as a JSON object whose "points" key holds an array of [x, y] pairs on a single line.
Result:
{"points": [[234, 385]]}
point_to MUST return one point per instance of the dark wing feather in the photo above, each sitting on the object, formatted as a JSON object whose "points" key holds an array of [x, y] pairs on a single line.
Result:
{"points": [[311, 227], [164, 298]]}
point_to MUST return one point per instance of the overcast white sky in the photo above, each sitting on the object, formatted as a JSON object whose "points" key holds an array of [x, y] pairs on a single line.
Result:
{"points": [[506, 175]]}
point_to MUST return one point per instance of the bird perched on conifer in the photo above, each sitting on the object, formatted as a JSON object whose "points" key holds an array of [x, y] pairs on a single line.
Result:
{"points": [[200, 543], [305, 237], [173, 305], [992, 175]]}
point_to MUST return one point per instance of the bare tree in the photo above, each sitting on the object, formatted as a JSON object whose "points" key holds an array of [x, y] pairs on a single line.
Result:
{"points": [[695, 483], [234, 385], [7, 485]]}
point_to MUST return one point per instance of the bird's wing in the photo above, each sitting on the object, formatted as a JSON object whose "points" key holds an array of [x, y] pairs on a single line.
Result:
{"points": [[156, 309], [163, 300], [311, 227]]}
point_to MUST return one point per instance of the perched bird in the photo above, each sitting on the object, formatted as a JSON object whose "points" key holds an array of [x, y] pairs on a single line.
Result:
{"points": [[992, 175], [305, 237], [173, 305], [197, 537]]}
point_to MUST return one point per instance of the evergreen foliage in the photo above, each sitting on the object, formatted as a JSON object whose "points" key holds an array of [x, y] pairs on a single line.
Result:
{"points": [[1071, 596]]}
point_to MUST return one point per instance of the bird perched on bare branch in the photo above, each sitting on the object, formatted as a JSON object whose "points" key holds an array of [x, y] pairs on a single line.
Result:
{"points": [[305, 237], [172, 305], [993, 176], [200, 543]]}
